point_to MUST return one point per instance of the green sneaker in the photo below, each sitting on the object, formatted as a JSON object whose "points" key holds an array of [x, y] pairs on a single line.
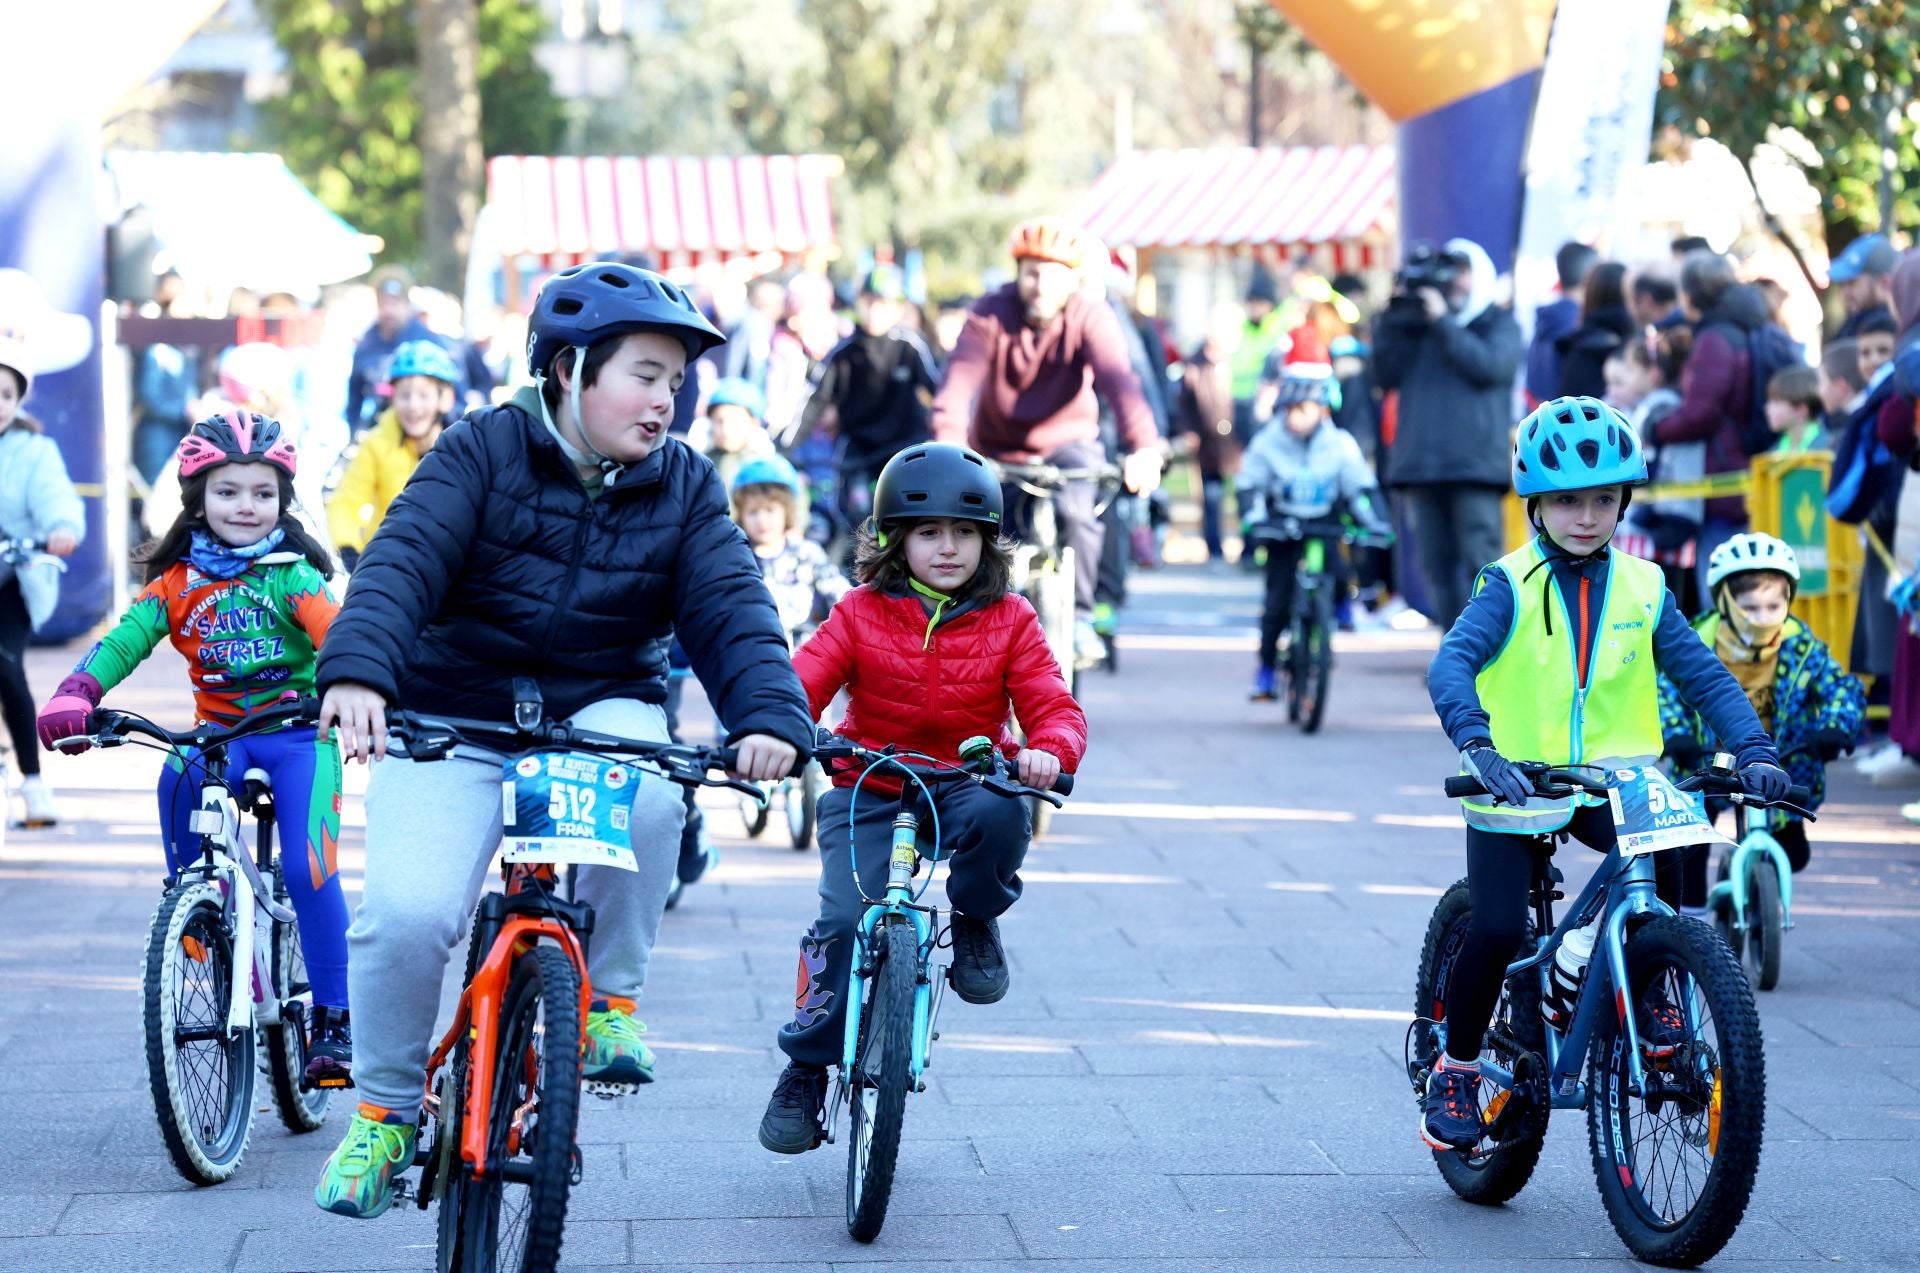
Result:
{"points": [[616, 1055], [358, 1179]]}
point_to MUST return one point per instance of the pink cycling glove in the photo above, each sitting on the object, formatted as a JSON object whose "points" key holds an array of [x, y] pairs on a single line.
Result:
{"points": [[65, 714]]}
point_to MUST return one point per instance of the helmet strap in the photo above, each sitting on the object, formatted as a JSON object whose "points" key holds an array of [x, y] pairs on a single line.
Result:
{"points": [[591, 457]]}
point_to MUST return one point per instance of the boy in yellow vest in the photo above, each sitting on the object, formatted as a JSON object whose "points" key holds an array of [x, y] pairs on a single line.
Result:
{"points": [[1556, 658]]}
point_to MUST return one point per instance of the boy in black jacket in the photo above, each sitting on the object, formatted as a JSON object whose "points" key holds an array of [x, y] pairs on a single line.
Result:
{"points": [[565, 537]]}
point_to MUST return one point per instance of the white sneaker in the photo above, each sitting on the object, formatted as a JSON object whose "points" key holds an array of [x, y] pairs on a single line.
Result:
{"points": [[41, 811], [1881, 753], [1902, 772]]}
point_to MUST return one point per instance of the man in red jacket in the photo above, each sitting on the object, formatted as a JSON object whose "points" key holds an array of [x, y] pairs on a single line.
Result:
{"points": [[1024, 382]]}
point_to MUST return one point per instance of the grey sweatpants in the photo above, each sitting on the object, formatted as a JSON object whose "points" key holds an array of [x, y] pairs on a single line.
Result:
{"points": [[432, 829]]}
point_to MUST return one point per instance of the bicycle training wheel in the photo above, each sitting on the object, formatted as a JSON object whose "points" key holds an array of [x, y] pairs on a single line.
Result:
{"points": [[878, 1095], [1501, 1164], [286, 1039], [514, 1219], [201, 1073], [1675, 1166], [1760, 946]]}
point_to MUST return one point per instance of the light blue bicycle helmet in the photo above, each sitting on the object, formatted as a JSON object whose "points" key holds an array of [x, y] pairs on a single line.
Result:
{"points": [[768, 470], [735, 392], [423, 358], [1575, 444]]}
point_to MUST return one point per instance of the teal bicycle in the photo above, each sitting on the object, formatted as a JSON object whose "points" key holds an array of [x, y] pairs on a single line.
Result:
{"points": [[893, 996], [1752, 899]]}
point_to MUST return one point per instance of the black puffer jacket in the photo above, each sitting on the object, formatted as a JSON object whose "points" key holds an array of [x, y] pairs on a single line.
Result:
{"points": [[493, 563]]}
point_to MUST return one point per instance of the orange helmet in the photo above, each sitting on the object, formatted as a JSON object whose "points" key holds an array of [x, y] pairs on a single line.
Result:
{"points": [[1049, 239]]}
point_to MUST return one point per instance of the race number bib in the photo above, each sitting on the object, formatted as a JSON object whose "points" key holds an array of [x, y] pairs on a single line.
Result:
{"points": [[565, 806], [1651, 814]]}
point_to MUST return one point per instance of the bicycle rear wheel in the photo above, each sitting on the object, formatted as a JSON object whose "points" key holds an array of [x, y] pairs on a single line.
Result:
{"points": [[878, 1094], [1676, 1165], [1491, 1173], [803, 806], [513, 1220], [286, 1039], [200, 1072]]}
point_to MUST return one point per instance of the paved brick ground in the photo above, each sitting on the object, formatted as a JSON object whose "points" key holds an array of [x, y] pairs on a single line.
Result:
{"points": [[1198, 1067]]}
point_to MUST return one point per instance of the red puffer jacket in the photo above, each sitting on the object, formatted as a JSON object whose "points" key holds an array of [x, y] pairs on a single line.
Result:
{"points": [[933, 691]]}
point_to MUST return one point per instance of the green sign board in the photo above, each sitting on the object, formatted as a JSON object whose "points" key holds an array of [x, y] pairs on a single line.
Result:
{"points": [[1803, 525]]}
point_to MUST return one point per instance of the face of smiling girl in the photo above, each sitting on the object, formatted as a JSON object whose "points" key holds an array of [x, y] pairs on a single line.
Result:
{"points": [[243, 503]]}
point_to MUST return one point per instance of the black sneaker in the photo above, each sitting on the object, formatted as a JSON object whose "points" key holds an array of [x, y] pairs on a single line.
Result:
{"points": [[330, 1048], [1451, 1117], [979, 972], [793, 1123]]}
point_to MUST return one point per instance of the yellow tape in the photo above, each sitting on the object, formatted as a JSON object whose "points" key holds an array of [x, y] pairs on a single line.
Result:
{"points": [[1716, 486], [89, 490], [1881, 551]]}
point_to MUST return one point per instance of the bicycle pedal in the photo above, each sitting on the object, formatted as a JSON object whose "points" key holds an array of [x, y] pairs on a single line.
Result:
{"points": [[402, 1188], [609, 1091]]}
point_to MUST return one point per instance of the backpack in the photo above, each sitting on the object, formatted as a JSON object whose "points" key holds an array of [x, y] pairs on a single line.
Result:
{"points": [[1769, 349], [1865, 473]]}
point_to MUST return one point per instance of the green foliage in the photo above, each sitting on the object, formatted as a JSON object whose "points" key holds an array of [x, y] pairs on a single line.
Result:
{"points": [[347, 121], [1841, 75]]}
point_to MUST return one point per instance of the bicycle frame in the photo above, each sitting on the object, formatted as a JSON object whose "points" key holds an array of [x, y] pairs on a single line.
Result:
{"points": [[901, 866], [1620, 890], [226, 861], [1751, 842]]}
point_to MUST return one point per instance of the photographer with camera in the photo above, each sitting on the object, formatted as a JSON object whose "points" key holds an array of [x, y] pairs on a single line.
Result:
{"points": [[1452, 354]]}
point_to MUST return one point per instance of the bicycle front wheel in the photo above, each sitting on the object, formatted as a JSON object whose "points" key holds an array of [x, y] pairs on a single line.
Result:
{"points": [[878, 1094], [201, 1073], [515, 1217], [1316, 663], [1761, 948], [1676, 1164], [803, 806]]}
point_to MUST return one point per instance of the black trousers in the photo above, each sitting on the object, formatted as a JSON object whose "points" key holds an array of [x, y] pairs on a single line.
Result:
{"points": [[16, 700]]}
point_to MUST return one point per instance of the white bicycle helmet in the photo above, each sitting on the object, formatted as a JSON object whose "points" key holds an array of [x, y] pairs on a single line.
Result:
{"points": [[1751, 551]]}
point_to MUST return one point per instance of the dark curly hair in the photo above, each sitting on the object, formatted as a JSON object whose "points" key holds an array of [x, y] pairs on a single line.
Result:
{"points": [[886, 564], [158, 554]]}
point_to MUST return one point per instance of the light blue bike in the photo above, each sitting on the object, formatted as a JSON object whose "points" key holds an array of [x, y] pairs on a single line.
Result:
{"points": [[1752, 900], [893, 995]]}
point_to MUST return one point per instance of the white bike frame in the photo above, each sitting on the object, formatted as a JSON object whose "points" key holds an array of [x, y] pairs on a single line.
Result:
{"points": [[250, 904]]}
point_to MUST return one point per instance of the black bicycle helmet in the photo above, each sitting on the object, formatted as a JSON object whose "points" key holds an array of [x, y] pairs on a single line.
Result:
{"points": [[936, 479], [586, 304]]}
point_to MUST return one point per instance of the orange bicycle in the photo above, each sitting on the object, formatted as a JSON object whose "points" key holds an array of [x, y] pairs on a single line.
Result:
{"points": [[503, 1085]]}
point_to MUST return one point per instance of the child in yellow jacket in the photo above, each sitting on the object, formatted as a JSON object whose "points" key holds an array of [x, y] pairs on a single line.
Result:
{"points": [[423, 377]]}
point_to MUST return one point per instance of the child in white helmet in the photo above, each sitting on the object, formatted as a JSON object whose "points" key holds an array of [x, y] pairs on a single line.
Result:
{"points": [[1810, 704]]}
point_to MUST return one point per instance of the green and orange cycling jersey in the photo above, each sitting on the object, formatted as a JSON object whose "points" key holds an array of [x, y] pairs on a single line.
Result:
{"points": [[247, 640]]}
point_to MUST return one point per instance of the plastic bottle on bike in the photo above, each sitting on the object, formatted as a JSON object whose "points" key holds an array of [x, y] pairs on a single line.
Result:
{"points": [[933, 648], [239, 588], [37, 505], [1301, 465], [561, 537], [1554, 659], [1810, 704]]}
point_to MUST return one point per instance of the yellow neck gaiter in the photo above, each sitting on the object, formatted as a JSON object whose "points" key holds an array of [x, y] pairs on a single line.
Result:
{"points": [[1752, 654]]}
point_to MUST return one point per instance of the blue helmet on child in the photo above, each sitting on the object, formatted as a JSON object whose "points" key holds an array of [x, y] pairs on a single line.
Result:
{"points": [[586, 304], [766, 470], [735, 392], [1309, 382], [1574, 444], [423, 358]]}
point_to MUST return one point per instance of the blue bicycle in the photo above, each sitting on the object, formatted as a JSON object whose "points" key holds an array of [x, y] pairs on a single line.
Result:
{"points": [[1661, 1045], [1752, 900], [893, 996]]}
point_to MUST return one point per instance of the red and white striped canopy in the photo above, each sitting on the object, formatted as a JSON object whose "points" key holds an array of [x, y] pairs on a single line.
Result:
{"points": [[683, 210], [1277, 200]]}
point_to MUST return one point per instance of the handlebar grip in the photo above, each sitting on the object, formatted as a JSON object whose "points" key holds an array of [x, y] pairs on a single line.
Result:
{"points": [[1063, 785], [727, 758], [1464, 785], [1798, 795]]}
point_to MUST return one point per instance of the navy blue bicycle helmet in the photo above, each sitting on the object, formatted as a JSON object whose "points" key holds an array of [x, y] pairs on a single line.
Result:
{"points": [[586, 304]]}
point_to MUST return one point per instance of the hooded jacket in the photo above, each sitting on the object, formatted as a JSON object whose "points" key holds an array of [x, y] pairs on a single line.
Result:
{"points": [[1585, 350], [1716, 390], [494, 562], [1455, 380], [36, 499], [929, 684]]}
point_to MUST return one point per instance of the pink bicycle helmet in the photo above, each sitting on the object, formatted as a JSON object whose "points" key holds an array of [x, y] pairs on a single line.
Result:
{"points": [[237, 437]]}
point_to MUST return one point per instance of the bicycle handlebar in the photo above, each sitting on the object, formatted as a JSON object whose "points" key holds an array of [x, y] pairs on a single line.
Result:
{"points": [[1052, 476], [429, 738], [932, 771], [109, 728], [1554, 783]]}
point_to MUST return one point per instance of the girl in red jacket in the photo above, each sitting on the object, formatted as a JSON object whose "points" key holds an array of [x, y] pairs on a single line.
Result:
{"points": [[932, 648]]}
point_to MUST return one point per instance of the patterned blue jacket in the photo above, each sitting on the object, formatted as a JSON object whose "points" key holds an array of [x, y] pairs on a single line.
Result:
{"points": [[1811, 692]]}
